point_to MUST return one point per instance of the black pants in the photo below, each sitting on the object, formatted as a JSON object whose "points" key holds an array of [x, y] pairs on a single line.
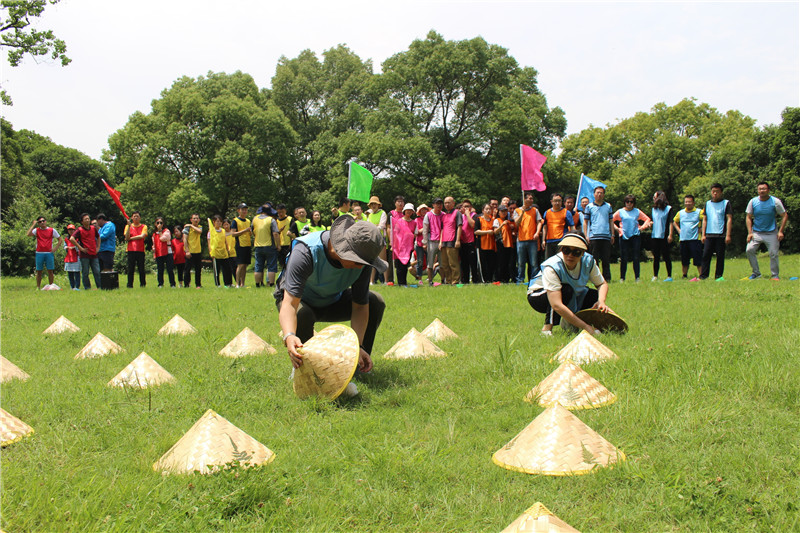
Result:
{"points": [[601, 251], [221, 266], [541, 303], [282, 254], [136, 260], [661, 250], [713, 245], [629, 250], [488, 259], [165, 261], [194, 262], [401, 272], [469, 263], [179, 268], [504, 265]]}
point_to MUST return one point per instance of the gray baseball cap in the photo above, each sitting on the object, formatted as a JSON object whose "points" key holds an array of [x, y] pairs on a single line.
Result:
{"points": [[358, 241]]}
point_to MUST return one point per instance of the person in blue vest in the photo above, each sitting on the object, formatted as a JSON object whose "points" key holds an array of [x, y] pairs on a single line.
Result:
{"points": [[761, 228], [717, 225], [326, 279], [560, 289], [687, 224], [597, 228]]}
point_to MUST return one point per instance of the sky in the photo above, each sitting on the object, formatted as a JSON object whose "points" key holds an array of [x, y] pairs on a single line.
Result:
{"points": [[599, 61]]}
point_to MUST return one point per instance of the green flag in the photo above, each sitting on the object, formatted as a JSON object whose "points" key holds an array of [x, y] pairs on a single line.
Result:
{"points": [[359, 183]]}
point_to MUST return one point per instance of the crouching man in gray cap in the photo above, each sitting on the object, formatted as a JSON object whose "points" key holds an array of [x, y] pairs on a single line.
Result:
{"points": [[326, 279]]}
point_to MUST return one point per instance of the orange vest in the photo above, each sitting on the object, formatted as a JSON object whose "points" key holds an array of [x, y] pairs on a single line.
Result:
{"points": [[555, 224], [487, 240], [526, 223], [507, 233]]}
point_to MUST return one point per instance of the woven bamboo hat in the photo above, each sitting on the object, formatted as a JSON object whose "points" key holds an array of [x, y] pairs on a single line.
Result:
{"points": [[177, 326], [437, 331], [213, 443], [9, 371], [539, 519], [246, 343], [99, 346], [141, 373], [572, 387], [12, 428], [609, 321], [330, 359], [61, 325], [414, 345], [585, 348], [557, 443]]}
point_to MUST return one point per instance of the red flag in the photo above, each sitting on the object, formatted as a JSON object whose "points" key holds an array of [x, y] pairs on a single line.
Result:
{"points": [[531, 162], [115, 194]]}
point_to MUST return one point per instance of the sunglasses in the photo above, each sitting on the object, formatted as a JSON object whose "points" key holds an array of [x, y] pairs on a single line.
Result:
{"points": [[40, 221], [574, 252], [628, 201]]}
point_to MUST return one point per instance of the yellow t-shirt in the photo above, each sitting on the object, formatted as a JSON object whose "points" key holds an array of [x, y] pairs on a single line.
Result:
{"points": [[262, 231]]}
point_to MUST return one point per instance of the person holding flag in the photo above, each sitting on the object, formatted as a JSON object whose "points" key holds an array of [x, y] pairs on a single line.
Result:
{"points": [[529, 223], [108, 242]]}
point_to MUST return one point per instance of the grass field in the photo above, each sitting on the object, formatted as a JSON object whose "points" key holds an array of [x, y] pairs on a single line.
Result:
{"points": [[708, 414]]}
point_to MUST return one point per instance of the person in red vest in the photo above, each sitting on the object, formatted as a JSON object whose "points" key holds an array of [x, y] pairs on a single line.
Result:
{"points": [[45, 259], [162, 252], [178, 253], [72, 265], [135, 234], [87, 239], [450, 242]]}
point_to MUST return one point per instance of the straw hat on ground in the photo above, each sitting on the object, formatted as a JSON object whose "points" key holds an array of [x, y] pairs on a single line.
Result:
{"points": [[12, 428], [437, 331], [609, 321], [141, 373], [414, 345], [246, 343], [330, 359], [557, 443], [177, 326], [9, 371], [61, 325], [572, 387], [99, 346], [213, 443], [539, 519], [583, 349]]}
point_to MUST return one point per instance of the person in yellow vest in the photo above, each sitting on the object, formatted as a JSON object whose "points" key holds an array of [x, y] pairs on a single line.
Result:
{"points": [[242, 233], [193, 249], [231, 240], [300, 224], [284, 222], [343, 209], [316, 223], [358, 212], [266, 243], [377, 216], [218, 250]]}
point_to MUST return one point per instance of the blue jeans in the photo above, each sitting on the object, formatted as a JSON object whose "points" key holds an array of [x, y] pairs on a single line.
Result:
{"points": [[94, 264], [526, 255]]}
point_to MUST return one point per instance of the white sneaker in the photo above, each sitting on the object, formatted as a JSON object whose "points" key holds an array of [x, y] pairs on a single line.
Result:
{"points": [[351, 390], [546, 333], [655, 278]]}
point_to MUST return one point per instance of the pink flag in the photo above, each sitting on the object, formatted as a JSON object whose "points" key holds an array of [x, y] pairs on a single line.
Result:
{"points": [[531, 162]]}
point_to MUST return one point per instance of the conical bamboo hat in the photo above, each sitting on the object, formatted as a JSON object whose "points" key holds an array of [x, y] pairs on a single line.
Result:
{"points": [[557, 443], [572, 387], [177, 326], [99, 346], [437, 331], [414, 345], [9, 371], [539, 519], [583, 349], [61, 325], [141, 373], [209, 445], [246, 343], [330, 359], [603, 320], [12, 428]]}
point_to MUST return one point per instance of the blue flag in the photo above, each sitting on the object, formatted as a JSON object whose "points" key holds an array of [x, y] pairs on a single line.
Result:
{"points": [[586, 189]]}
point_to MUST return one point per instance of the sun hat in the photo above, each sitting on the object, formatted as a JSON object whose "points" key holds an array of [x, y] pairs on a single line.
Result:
{"points": [[71, 226], [583, 349], [574, 240], [414, 345], [141, 373], [437, 331], [358, 241], [177, 325], [330, 359], [375, 200], [99, 346], [61, 325], [246, 343], [572, 387], [10, 371], [408, 206], [12, 428], [604, 321], [421, 207], [538, 518]]}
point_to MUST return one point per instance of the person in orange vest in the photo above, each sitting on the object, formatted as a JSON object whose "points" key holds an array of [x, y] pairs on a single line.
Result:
{"points": [[505, 235], [557, 221], [487, 251], [528, 221]]}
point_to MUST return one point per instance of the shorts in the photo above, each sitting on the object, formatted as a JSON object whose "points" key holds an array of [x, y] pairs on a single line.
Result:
{"points": [[268, 255], [692, 251], [243, 254], [106, 258], [45, 260]]}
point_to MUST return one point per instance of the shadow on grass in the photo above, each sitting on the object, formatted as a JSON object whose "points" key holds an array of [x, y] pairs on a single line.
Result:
{"points": [[379, 380]]}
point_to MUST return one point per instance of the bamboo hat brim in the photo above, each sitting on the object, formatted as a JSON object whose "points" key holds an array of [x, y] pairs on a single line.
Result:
{"points": [[539, 519], [246, 343], [572, 387], [61, 325], [99, 346], [330, 359], [609, 321], [213, 443], [557, 443], [9, 371], [583, 349], [12, 428], [177, 326], [414, 345], [437, 331], [141, 373]]}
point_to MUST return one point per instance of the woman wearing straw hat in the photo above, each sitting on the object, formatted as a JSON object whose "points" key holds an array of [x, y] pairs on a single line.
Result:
{"points": [[560, 289], [326, 279]]}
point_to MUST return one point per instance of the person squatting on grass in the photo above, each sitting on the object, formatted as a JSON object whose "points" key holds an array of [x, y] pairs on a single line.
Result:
{"points": [[47, 240], [761, 228], [326, 279], [560, 288]]}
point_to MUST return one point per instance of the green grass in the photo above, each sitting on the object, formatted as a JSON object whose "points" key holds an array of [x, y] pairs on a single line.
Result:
{"points": [[708, 415]]}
